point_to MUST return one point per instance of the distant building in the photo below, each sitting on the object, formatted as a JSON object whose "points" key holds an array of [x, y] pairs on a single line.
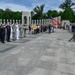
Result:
{"points": [[65, 23]]}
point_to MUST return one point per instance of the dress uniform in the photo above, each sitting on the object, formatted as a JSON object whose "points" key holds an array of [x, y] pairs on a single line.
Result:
{"points": [[3, 34], [8, 30], [13, 32], [21, 31]]}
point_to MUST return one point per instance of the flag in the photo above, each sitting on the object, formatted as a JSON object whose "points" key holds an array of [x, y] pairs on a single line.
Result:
{"points": [[55, 21]]}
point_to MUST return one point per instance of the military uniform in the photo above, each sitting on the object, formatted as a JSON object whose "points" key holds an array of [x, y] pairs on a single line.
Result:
{"points": [[21, 31], [24, 30], [8, 29], [14, 32], [17, 31], [3, 34]]}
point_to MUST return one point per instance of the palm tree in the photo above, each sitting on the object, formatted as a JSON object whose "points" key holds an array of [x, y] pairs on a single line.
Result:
{"points": [[67, 4], [38, 11], [68, 12]]}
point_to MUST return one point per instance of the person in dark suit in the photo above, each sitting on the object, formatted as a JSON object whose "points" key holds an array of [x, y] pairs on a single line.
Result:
{"points": [[8, 30], [3, 33], [29, 29], [49, 28]]}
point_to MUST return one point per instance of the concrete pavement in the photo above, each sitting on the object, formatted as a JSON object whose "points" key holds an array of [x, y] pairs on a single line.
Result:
{"points": [[48, 54]]}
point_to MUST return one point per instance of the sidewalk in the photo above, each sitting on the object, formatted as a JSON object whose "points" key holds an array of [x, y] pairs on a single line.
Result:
{"points": [[48, 54], [10, 45]]}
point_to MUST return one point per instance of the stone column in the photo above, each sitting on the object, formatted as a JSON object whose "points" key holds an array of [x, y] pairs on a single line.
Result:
{"points": [[37, 22], [32, 22], [19, 21], [7, 20], [0, 21], [4, 21], [10, 22], [13, 21], [42, 22]]}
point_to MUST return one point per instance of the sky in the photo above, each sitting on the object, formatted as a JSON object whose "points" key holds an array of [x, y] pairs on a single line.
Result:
{"points": [[28, 5]]}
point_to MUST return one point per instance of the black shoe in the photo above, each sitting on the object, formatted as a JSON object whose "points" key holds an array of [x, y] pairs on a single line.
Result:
{"points": [[3, 42], [8, 41]]}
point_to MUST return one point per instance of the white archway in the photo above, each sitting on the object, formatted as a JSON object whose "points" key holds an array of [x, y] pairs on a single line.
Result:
{"points": [[26, 18]]}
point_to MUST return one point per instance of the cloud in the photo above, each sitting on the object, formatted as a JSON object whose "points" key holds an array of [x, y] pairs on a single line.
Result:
{"points": [[30, 4], [58, 9], [14, 7], [49, 5]]}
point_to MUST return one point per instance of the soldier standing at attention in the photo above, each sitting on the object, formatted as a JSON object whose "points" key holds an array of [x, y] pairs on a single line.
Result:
{"points": [[3, 33], [8, 29], [24, 30], [21, 31], [29, 29], [14, 32], [17, 31], [49, 28]]}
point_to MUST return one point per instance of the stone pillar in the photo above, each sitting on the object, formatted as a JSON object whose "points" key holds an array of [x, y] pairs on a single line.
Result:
{"points": [[19, 21], [0, 21], [7, 22], [45, 21], [48, 21], [16, 21], [37, 22], [13, 31], [42, 21], [13, 21], [10, 21], [28, 16], [32, 22], [17, 30], [4, 21]]}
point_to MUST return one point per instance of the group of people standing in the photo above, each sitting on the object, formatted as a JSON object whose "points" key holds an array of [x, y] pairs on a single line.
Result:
{"points": [[42, 28], [10, 32], [51, 28], [38, 28], [5, 30]]}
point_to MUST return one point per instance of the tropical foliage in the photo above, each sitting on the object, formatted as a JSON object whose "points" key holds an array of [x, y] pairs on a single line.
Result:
{"points": [[38, 12]]}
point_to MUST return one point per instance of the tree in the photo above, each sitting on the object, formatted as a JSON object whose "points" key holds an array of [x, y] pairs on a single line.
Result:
{"points": [[9, 14], [1, 13], [49, 13], [38, 11], [68, 15], [66, 4], [53, 13], [8, 10], [68, 12]]}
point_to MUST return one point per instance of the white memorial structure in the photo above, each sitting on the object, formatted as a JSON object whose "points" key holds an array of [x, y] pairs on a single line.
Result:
{"points": [[26, 18], [65, 23]]}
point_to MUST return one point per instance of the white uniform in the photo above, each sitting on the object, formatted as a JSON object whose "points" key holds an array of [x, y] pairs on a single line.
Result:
{"points": [[70, 28], [17, 31], [11, 32]]}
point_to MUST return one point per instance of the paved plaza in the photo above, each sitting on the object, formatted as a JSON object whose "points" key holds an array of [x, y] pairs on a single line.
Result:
{"points": [[39, 54]]}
